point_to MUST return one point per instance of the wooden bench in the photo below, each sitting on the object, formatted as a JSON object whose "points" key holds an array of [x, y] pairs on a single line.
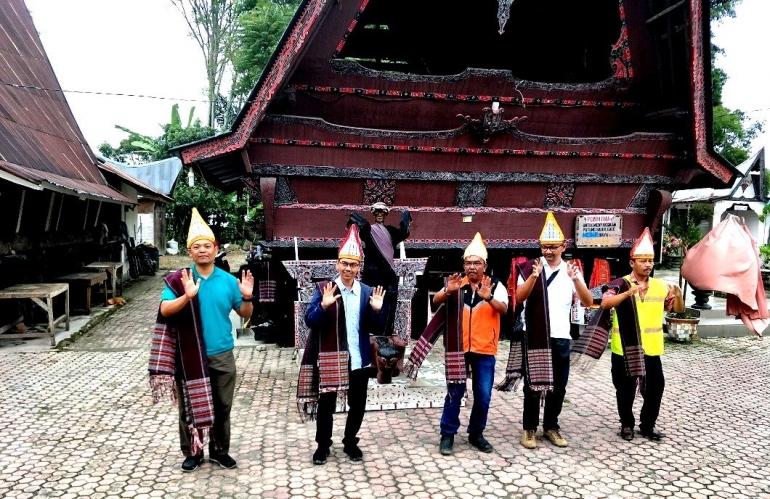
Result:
{"points": [[37, 292], [81, 280], [113, 269]]}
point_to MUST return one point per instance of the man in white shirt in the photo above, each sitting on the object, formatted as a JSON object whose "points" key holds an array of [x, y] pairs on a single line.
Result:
{"points": [[548, 284]]}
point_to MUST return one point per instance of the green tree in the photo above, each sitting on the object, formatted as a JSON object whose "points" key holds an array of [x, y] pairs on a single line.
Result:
{"points": [[733, 131], [138, 148], [225, 212], [261, 23], [211, 23]]}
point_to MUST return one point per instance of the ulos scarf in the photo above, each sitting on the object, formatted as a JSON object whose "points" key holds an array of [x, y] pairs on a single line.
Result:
{"points": [[447, 320], [325, 363], [593, 341], [181, 336], [531, 357]]}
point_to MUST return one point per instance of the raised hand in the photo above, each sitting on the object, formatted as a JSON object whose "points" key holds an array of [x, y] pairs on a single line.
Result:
{"points": [[453, 283], [572, 271], [329, 295], [636, 288], [537, 267], [246, 283], [485, 288], [191, 287], [378, 295]]}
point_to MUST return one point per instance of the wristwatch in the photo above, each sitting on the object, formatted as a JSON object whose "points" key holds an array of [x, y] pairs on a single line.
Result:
{"points": [[489, 299], [249, 299]]}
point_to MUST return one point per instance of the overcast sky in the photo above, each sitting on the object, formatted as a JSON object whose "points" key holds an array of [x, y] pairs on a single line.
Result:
{"points": [[141, 47]]}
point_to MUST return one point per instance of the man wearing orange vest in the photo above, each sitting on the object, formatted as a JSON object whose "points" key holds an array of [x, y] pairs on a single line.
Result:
{"points": [[640, 302], [483, 300]]}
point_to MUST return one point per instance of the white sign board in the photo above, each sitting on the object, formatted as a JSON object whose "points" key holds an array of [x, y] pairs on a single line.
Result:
{"points": [[598, 231]]}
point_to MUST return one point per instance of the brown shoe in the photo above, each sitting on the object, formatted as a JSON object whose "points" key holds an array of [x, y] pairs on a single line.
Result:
{"points": [[555, 438], [528, 439]]}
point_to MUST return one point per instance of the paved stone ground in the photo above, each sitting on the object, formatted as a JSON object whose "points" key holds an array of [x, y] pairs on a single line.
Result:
{"points": [[78, 422]]}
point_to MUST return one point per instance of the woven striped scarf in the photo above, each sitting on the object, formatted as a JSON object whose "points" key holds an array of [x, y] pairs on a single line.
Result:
{"points": [[530, 359], [325, 363], [447, 320], [181, 336]]}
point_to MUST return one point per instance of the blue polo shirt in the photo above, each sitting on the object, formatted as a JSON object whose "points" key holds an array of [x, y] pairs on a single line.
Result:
{"points": [[218, 295]]}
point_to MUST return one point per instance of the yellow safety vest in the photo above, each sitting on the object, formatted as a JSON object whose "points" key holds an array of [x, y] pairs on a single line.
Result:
{"points": [[650, 312]]}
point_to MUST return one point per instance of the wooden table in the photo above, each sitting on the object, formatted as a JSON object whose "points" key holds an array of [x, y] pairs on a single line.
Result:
{"points": [[112, 269], [87, 280], [36, 293]]}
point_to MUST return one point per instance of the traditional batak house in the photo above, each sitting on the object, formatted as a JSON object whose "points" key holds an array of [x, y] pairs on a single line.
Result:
{"points": [[476, 116]]}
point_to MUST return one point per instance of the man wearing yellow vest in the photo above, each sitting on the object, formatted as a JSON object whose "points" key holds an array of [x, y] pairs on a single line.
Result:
{"points": [[481, 300], [640, 302]]}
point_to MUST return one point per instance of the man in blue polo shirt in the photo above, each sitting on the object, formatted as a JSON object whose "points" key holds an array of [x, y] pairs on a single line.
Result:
{"points": [[211, 293]]}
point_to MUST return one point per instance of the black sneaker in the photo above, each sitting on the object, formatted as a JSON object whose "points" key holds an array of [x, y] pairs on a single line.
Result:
{"points": [[224, 460], [446, 444], [627, 433], [191, 463], [652, 433], [480, 443], [354, 453], [320, 455]]}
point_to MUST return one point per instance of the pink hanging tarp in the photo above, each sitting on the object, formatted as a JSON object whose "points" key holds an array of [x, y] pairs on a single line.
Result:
{"points": [[726, 260]]}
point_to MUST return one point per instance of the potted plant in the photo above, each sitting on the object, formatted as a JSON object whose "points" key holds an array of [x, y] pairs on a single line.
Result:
{"points": [[683, 326]]}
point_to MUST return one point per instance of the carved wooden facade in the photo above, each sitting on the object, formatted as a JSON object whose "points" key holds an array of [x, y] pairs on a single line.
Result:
{"points": [[574, 109]]}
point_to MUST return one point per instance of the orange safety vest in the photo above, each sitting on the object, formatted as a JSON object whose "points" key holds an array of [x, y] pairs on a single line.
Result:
{"points": [[481, 323]]}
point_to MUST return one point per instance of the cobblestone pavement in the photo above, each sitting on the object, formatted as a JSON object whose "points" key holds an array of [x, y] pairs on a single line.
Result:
{"points": [[78, 422]]}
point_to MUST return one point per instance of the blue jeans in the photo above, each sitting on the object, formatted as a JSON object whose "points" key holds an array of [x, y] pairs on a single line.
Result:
{"points": [[482, 368]]}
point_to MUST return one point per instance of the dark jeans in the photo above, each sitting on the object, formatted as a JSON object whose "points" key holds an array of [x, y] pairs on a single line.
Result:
{"points": [[359, 380], [483, 376], [625, 391], [222, 375], [554, 399]]}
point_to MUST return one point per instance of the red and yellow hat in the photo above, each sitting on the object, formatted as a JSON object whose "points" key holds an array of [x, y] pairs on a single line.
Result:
{"points": [[351, 247]]}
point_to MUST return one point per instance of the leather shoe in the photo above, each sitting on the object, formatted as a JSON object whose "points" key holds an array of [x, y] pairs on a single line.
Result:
{"points": [[627, 433], [480, 443], [446, 444], [652, 433], [354, 453], [224, 460], [320, 455], [191, 463]]}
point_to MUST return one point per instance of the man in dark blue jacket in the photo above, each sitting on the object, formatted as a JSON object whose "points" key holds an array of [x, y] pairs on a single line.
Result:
{"points": [[341, 315]]}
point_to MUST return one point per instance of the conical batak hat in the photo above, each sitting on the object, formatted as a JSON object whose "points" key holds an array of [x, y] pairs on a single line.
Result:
{"points": [[644, 247], [476, 248], [351, 247], [551, 233], [199, 230]]}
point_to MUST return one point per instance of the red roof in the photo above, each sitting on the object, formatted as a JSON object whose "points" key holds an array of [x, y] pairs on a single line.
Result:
{"points": [[40, 141]]}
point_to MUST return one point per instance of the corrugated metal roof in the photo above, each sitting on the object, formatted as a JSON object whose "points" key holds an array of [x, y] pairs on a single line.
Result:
{"points": [[38, 132], [160, 175], [138, 184], [35, 179]]}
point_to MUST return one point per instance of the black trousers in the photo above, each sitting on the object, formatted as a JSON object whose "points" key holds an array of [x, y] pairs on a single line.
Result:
{"points": [[553, 400], [359, 381], [625, 391]]}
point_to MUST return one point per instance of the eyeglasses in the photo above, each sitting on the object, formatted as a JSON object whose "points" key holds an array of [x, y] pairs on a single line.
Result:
{"points": [[349, 265], [549, 248], [473, 264]]}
